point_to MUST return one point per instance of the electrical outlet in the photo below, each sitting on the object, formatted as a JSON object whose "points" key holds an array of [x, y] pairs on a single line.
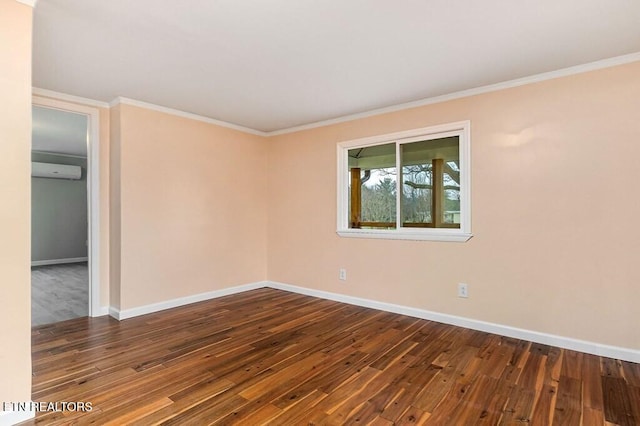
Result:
{"points": [[342, 274], [463, 291]]}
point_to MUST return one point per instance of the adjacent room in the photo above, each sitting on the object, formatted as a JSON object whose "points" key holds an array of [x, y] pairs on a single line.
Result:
{"points": [[326, 212], [59, 220]]}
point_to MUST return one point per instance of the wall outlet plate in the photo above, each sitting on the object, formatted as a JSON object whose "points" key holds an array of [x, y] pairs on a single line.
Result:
{"points": [[463, 290], [342, 274]]}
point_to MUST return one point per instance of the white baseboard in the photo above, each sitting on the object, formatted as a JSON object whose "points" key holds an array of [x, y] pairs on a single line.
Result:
{"points": [[161, 306], [10, 418], [104, 310], [625, 354], [59, 261], [115, 313]]}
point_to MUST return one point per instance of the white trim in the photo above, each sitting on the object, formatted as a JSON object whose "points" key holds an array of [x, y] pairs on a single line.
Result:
{"points": [[59, 261], [565, 72], [181, 301], [104, 310], [616, 352], [10, 418], [462, 129], [93, 190], [626, 354], [68, 98], [57, 154], [405, 234], [114, 313], [31, 3], [536, 78], [184, 114]]}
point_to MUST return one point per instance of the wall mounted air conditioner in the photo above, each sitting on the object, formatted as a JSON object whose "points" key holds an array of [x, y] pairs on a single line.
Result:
{"points": [[55, 171]]}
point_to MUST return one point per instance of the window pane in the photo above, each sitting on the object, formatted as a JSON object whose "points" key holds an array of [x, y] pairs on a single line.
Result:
{"points": [[430, 183], [416, 193], [372, 201], [379, 198]]}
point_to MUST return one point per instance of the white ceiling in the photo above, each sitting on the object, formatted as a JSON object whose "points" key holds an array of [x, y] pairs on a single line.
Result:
{"points": [[271, 65], [60, 132]]}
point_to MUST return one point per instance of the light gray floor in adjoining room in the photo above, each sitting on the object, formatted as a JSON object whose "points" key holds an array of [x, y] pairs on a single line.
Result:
{"points": [[59, 292]]}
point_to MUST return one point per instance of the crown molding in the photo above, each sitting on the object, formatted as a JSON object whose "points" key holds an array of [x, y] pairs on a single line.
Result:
{"points": [[565, 72], [31, 3], [127, 101], [36, 91]]}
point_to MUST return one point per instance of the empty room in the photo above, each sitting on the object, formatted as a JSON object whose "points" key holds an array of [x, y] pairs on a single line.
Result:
{"points": [[364, 212]]}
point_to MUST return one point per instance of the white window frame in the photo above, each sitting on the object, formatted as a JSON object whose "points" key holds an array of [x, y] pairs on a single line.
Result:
{"points": [[462, 129]]}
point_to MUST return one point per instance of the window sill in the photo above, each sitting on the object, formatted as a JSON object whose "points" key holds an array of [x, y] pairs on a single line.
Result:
{"points": [[430, 235]]}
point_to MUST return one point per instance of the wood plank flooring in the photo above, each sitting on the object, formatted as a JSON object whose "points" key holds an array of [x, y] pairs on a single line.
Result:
{"points": [[59, 292], [272, 357]]}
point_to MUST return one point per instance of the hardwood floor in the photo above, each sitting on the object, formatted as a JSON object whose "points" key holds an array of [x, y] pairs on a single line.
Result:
{"points": [[273, 357], [59, 292]]}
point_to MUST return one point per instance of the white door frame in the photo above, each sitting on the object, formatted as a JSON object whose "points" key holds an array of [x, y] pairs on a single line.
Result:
{"points": [[93, 191]]}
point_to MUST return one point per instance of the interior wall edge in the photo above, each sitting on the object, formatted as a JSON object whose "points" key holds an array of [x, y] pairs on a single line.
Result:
{"points": [[509, 84], [181, 301], [9, 418], [37, 91], [594, 348], [178, 113], [59, 261], [565, 72]]}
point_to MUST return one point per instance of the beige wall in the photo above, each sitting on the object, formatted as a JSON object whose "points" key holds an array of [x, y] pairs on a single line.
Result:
{"points": [[192, 205], [555, 248], [15, 172]]}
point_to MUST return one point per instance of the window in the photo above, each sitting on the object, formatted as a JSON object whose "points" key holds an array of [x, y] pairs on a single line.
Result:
{"points": [[409, 185]]}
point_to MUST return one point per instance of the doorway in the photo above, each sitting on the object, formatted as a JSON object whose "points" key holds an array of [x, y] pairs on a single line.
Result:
{"points": [[65, 212]]}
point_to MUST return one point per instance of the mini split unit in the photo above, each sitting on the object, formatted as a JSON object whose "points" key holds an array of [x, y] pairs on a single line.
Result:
{"points": [[55, 171]]}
